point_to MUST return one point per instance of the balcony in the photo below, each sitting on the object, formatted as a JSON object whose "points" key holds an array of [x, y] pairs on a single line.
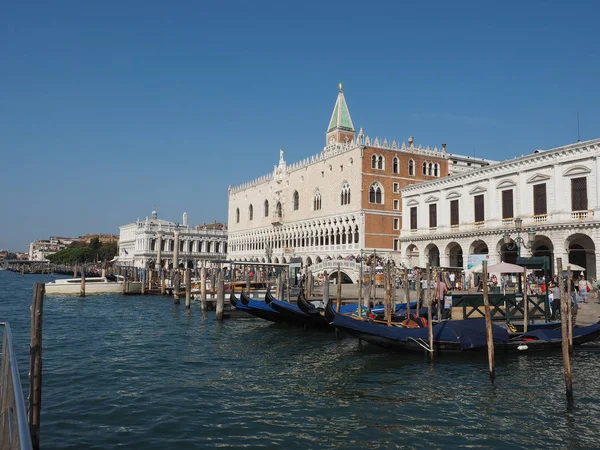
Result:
{"points": [[540, 218], [277, 218], [580, 215]]}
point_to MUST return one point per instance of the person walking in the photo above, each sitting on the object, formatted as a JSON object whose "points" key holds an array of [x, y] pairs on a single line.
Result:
{"points": [[583, 289]]}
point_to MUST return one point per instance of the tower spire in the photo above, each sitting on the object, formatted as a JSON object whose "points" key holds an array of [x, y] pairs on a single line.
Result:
{"points": [[340, 127]]}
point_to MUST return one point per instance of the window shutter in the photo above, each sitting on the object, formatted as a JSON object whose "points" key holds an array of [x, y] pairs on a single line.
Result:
{"points": [[507, 204], [539, 199], [479, 208], [454, 212], [579, 200], [433, 216], [413, 218]]}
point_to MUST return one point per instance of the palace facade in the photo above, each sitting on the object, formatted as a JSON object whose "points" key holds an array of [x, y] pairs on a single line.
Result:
{"points": [[337, 204], [549, 198], [154, 242]]}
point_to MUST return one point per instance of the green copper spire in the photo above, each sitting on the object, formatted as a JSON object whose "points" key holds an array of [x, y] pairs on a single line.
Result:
{"points": [[340, 119]]}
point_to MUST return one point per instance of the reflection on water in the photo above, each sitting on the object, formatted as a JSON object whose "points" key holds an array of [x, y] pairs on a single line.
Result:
{"points": [[140, 372]]}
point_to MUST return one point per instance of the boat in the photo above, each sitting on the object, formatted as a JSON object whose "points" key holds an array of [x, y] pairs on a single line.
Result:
{"points": [[454, 336], [259, 308], [93, 285], [291, 313], [236, 303]]}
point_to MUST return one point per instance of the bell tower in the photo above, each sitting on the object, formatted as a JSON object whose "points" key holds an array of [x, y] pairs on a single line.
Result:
{"points": [[340, 127]]}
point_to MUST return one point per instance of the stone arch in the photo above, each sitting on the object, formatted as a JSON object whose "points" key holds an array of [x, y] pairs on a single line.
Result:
{"points": [[543, 246], [432, 255], [346, 278], [454, 252], [582, 251], [318, 260], [276, 260], [507, 252], [412, 255], [479, 247], [283, 260], [308, 261]]}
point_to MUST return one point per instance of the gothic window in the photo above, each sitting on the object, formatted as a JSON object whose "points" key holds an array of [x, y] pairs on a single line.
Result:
{"points": [[507, 204], [344, 235], [433, 215], [430, 169], [380, 162], [411, 168], [345, 195], [224, 247], [237, 215], [153, 245], [479, 206], [579, 198], [266, 208], [413, 218], [374, 162], [278, 210], [250, 212], [376, 193], [317, 201], [356, 235], [454, 212], [539, 199], [424, 168], [162, 245], [337, 236], [436, 170], [395, 165], [296, 200]]}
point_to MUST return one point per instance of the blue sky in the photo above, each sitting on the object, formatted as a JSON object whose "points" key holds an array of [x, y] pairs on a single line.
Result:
{"points": [[110, 108]]}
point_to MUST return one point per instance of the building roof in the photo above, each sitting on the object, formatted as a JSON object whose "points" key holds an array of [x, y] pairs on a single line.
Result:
{"points": [[340, 119]]}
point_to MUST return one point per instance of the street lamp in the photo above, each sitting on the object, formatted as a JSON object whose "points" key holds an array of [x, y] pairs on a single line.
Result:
{"points": [[519, 241]]}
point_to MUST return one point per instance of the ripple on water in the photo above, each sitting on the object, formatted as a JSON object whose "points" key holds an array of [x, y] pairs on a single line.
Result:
{"points": [[140, 372]]}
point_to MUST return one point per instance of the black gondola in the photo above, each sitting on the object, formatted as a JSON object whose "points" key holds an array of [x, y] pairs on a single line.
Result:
{"points": [[260, 309]]}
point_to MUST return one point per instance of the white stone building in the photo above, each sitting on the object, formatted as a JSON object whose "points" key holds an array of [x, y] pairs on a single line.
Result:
{"points": [[555, 193], [151, 243], [40, 249], [336, 205]]}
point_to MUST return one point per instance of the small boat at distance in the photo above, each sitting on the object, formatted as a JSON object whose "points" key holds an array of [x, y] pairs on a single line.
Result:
{"points": [[93, 285]]}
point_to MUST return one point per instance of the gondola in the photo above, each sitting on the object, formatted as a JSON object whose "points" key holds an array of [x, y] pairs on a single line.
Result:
{"points": [[454, 336], [259, 309], [236, 303], [291, 313]]}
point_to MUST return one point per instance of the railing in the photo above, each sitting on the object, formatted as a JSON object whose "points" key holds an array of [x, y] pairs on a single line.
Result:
{"points": [[580, 215], [478, 225], [508, 222], [540, 218], [14, 431]]}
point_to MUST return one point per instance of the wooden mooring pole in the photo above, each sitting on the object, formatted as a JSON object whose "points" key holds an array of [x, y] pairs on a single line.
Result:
{"points": [[325, 287], [35, 365], [163, 284], [564, 319], [176, 283], [525, 303], [220, 296], [339, 291], [203, 288], [388, 293], [360, 289], [82, 289], [407, 295], [488, 323], [429, 315], [570, 311], [188, 287]]}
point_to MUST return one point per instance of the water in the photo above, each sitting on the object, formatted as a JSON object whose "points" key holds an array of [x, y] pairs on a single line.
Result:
{"points": [[140, 372]]}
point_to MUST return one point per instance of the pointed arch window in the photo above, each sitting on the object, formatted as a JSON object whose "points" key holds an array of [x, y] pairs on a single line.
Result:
{"points": [[376, 193], [317, 201], [424, 168], [250, 212], [396, 165], [380, 162], [345, 195], [436, 170], [266, 208], [278, 210], [237, 215], [374, 162], [411, 168], [296, 200], [430, 169]]}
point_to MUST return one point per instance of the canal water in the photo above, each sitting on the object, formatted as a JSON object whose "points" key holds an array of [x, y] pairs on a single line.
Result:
{"points": [[140, 372]]}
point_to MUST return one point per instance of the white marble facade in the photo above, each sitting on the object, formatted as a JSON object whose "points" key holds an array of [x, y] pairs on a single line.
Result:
{"points": [[566, 224], [141, 242]]}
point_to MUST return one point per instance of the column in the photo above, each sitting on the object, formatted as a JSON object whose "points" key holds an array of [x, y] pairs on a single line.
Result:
{"points": [[158, 252], [176, 250], [558, 186]]}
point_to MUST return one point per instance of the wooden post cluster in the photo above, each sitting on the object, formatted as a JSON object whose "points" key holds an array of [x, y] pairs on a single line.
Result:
{"points": [[176, 284], [488, 323], [35, 364], [564, 299]]}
